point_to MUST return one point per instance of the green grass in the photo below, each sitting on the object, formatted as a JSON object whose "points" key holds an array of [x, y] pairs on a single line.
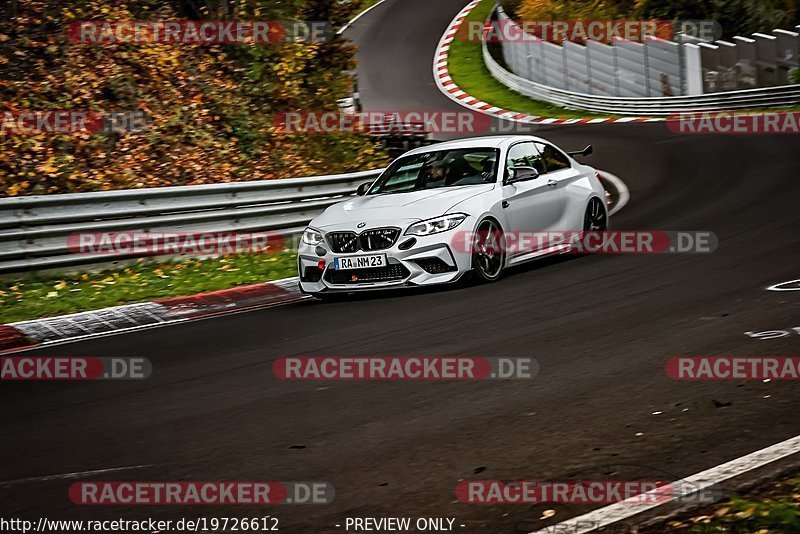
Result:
{"points": [[34, 295], [466, 66], [775, 509], [367, 3]]}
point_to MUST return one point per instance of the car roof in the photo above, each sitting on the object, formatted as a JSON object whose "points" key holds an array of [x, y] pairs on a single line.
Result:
{"points": [[488, 141]]}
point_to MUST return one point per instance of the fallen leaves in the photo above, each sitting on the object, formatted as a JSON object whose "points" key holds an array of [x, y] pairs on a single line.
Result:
{"points": [[211, 122]]}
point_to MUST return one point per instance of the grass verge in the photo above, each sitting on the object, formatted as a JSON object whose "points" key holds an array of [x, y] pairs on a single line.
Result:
{"points": [[775, 509], [35, 295], [466, 66], [365, 4]]}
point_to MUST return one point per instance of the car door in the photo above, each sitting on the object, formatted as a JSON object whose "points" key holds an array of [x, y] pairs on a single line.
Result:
{"points": [[559, 174], [530, 205]]}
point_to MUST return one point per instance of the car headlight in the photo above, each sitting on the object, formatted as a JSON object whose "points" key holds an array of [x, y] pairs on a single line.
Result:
{"points": [[437, 225], [312, 237]]}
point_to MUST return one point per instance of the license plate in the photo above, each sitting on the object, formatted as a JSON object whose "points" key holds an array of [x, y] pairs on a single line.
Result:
{"points": [[360, 262]]}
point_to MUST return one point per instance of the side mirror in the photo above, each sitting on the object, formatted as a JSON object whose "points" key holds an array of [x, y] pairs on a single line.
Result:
{"points": [[585, 152], [520, 174], [363, 188]]}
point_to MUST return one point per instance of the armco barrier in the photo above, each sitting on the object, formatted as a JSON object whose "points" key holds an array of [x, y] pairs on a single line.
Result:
{"points": [[34, 229]]}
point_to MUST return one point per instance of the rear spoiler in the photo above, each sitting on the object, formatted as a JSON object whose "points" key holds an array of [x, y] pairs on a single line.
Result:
{"points": [[585, 152]]}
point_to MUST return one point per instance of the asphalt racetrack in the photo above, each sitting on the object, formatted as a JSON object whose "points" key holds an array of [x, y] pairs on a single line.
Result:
{"points": [[601, 327]]}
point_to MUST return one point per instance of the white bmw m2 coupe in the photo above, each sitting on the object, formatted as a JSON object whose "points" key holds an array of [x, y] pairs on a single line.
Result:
{"points": [[407, 228]]}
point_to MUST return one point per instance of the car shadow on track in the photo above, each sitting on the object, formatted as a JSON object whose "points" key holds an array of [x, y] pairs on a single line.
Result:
{"points": [[467, 283]]}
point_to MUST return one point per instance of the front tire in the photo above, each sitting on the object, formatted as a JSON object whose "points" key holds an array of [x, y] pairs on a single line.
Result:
{"points": [[488, 252]]}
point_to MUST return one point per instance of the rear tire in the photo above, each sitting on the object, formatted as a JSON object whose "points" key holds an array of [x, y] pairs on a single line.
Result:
{"points": [[595, 218]]}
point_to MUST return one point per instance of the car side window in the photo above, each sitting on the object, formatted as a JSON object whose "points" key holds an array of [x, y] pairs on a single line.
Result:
{"points": [[554, 159], [525, 155]]}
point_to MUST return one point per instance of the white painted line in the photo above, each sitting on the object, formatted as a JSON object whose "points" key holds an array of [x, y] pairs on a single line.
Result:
{"points": [[71, 475], [777, 287], [351, 21], [622, 190], [701, 481]]}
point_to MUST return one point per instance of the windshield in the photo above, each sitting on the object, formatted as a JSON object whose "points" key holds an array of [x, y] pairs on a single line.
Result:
{"points": [[442, 168]]}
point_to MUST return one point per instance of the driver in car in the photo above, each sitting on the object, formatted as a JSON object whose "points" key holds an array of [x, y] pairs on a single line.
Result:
{"points": [[437, 174]]}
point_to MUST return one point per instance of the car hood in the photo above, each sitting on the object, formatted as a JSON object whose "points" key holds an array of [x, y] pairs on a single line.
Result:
{"points": [[396, 208]]}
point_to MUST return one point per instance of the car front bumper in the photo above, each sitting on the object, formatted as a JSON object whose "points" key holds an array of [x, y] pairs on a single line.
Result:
{"points": [[430, 260]]}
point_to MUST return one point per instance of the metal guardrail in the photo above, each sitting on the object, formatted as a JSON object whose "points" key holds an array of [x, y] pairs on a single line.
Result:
{"points": [[34, 229], [780, 96]]}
